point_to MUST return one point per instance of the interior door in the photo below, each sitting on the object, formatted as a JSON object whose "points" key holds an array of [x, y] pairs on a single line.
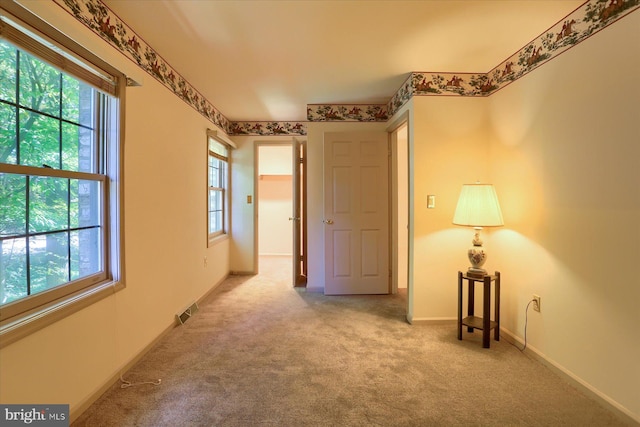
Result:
{"points": [[356, 213], [298, 217]]}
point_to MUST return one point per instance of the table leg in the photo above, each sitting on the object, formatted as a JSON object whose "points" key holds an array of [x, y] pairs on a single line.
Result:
{"points": [[471, 301], [486, 312], [496, 333], [459, 305]]}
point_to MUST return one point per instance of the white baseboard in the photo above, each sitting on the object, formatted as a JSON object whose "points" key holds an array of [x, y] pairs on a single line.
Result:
{"points": [[620, 411], [93, 397], [77, 411]]}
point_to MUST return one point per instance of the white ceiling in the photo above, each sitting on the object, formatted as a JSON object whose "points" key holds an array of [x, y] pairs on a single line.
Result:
{"points": [[266, 60]]}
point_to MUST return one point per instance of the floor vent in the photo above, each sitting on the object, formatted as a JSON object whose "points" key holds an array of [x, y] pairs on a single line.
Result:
{"points": [[185, 315]]}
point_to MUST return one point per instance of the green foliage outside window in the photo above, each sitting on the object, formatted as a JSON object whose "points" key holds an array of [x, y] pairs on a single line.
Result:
{"points": [[50, 226]]}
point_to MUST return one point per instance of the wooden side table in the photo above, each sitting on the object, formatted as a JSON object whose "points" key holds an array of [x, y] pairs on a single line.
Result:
{"points": [[484, 323]]}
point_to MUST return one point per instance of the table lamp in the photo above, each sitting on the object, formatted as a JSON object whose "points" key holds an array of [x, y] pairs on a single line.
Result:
{"points": [[478, 207]]}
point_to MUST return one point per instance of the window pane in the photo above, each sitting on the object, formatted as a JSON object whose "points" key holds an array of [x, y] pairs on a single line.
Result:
{"points": [[7, 71], [70, 144], [214, 172], [216, 198], [77, 101], [8, 134], [39, 85], [217, 172], [218, 148], [48, 261], [70, 99], [13, 266], [39, 140], [87, 151], [85, 253], [215, 221], [48, 204], [85, 203], [77, 148], [13, 204]]}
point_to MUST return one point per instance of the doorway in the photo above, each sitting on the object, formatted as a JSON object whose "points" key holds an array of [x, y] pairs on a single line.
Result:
{"points": [[401, 213], [400, 207], [280, 206], [275, 200]]}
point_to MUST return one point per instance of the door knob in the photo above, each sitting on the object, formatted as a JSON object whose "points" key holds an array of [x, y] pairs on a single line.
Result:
{"points": [[294, 219], [328, 221]]}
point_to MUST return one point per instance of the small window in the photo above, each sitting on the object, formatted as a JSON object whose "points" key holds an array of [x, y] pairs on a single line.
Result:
{"points": [[218, 188]]}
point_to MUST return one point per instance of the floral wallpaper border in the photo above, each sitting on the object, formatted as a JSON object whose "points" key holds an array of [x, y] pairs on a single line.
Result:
{"points": [[347, 112], [268, 128], [588, 19], [101, 20]]}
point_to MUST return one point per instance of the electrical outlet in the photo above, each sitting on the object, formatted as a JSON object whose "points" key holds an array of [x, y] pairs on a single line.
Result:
{"points": [[536, 302]]}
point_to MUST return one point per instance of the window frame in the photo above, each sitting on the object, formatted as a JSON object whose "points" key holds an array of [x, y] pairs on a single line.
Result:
{"points": [[34, 36], [225, 190]]}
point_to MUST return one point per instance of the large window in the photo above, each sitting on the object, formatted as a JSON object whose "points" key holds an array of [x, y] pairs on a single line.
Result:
{"points": [[218, 186], [59, 175]]}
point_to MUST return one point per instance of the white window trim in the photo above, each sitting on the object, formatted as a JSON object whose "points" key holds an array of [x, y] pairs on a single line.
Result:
{"points": [[215, 238], [20, 326]]}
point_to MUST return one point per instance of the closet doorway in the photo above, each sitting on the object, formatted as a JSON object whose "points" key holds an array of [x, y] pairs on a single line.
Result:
{"points": [[280, 208]]}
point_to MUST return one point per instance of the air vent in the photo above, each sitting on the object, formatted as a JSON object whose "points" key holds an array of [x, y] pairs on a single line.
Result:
{"points": [[185, 315]]}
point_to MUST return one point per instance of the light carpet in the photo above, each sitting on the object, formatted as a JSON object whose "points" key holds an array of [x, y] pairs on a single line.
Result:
{"points": [[261, 353]]}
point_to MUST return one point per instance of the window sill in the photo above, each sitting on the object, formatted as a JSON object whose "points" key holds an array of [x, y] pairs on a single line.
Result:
{"points": [[17, 328], [212, 241]]}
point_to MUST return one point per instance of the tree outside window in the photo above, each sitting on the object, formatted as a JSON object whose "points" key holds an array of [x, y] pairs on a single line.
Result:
{"points": [[52, 178]]}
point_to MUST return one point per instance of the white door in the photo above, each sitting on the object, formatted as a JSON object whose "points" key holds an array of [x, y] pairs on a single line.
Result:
{"points": [[356, 213]]}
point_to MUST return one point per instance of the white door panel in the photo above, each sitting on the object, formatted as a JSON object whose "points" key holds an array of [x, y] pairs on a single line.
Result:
{"points": [[356, 213]]}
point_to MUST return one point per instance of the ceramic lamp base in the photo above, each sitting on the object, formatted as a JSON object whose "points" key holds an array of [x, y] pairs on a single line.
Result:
{"points": [[477, 257]]}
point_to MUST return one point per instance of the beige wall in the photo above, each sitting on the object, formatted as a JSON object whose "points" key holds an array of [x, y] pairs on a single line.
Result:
{"points": [[561, 146], [242, 242], [564, 157], [165, 247], [275, 207], [448, 148]]}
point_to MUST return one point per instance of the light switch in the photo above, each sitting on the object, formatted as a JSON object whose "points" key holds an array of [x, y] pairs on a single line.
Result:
{"points": [[249, 199], [431, 201]]}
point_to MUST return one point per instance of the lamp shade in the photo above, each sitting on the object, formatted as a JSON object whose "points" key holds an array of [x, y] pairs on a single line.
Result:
{"points": [[478, 206]]}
